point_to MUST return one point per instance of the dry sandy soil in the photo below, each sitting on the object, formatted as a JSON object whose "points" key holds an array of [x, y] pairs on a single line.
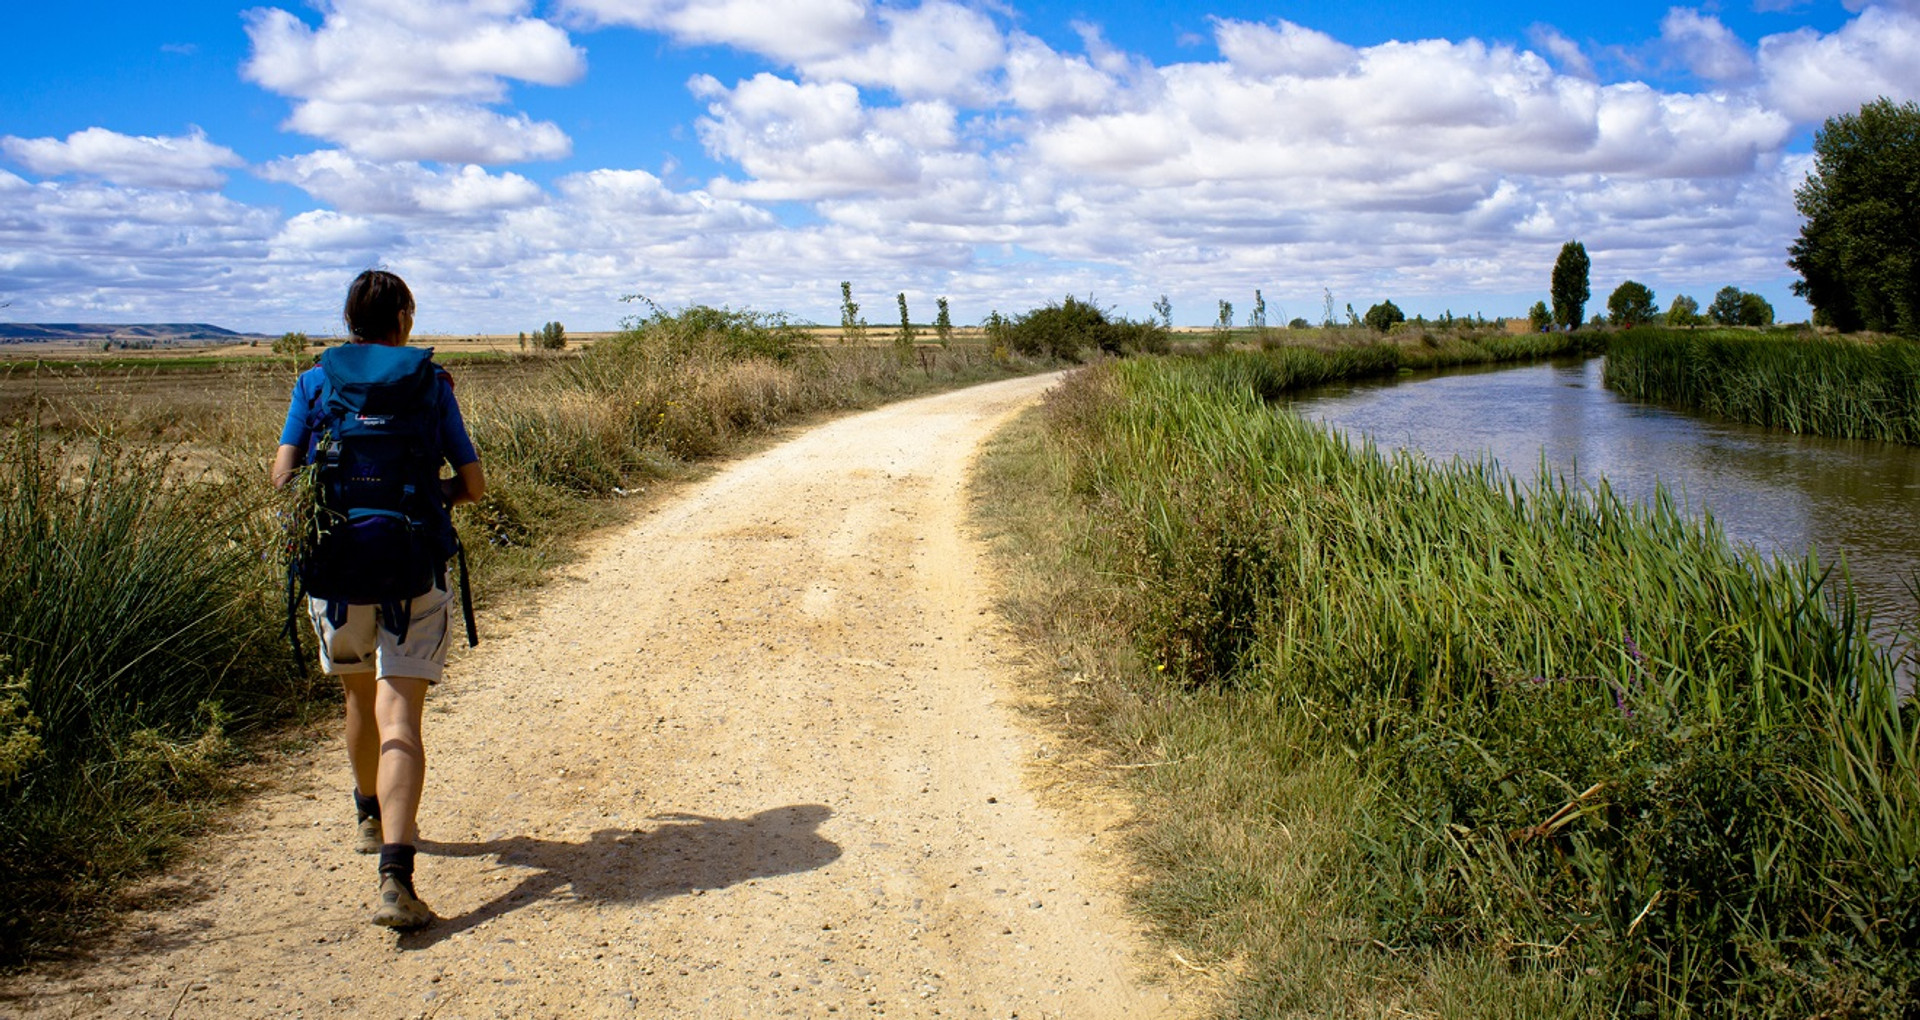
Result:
{"points": [[760, 754]]}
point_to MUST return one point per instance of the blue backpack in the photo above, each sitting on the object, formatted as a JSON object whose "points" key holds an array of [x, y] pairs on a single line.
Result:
{"points": [[380, 533]]}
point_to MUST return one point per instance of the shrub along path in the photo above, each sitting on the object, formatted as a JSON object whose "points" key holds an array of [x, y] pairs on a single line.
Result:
{"points": [[756, 756]]}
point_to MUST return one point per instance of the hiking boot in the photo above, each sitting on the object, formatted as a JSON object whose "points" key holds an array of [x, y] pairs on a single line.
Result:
{"points": [[399, 907], [367, 837]]}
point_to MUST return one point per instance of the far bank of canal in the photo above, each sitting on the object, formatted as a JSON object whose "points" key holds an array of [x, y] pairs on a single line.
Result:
{"points": [[1778, 492]]}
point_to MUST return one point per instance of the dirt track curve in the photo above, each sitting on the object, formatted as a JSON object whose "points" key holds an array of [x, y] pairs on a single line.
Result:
{"points": [[754, 757]]}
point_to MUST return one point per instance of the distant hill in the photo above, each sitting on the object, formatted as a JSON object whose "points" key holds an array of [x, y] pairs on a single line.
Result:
{"points": [[151, 332]]}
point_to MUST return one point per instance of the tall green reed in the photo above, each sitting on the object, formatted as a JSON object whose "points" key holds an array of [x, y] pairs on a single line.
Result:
{"points": [[1828, 386], [1605, 743]]}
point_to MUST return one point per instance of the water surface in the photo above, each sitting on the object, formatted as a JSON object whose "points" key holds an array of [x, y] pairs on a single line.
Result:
{"points": [[1778, 492]]}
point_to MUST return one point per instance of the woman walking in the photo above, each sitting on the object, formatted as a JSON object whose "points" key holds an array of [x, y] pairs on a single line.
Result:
{"points": [[388, 652]]}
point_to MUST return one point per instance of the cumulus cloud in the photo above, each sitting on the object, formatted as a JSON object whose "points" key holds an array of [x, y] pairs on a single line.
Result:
{"points": [[413, 79], [933, 147], [1041, 80], [1282, 49], [1562, 49], [442, 132], [322, 231], [187, 162], [805, 141], [93, 250], [790, 31], [1707, 47], [1810, 76], [360, 187], [937, 50]]}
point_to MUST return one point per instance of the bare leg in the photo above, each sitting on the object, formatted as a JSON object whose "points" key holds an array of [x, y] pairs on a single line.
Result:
{"points": [[398, 703], [363, 733]]}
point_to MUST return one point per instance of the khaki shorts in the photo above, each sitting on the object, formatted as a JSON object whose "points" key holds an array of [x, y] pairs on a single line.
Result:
{"points": [[362, 645]]}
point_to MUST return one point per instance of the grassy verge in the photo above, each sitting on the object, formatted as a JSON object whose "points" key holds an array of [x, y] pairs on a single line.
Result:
{"points": [[1841, 387], [1414, 742], [141, 598]]}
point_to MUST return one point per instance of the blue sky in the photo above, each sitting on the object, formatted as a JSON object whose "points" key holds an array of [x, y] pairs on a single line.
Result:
{"points": [[521, 162]]}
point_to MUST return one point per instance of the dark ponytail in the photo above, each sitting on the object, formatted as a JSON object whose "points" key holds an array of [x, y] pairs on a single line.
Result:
{"points": [[375, 300]]}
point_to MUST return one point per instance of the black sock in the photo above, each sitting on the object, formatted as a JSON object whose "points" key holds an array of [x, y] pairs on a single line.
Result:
{"points": [[396, 859], [369, 807]]}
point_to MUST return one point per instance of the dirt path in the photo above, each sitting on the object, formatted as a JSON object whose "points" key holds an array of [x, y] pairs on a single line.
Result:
{"points": [[755, 758]]}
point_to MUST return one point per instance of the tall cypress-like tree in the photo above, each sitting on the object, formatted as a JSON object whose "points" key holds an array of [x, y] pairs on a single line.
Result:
{"points": [[1858, 255], [1570, 289]]}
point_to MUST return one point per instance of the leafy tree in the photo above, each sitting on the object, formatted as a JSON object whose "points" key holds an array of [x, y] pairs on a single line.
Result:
{"points": [[1684, 311], [523, 339], [1858, 254], [1570, 289], [1000, 335], [1384, 315], [1298, 324], [1631, 304], [1538, 318], [1725, 309], [903, 340], [853, 329], [1225, 322], [943, 324], [1755, 310], [1258, 317], [290, 343], [550, 337], [1164, 309]]}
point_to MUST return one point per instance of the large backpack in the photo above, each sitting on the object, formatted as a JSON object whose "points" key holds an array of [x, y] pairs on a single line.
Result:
{"points": [[379, 532]]}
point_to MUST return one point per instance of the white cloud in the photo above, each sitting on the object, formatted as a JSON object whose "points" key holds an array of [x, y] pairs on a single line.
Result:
{"points": [[791, 31], [938, 50], [190, 162], [1705, 46], [806, 141], [90, 251], [324, 231], [934, 148], [1562, 49], [360, 187], [1042, 80], [1810, 76], [412, 79], [446, 133], [1282, 49]]}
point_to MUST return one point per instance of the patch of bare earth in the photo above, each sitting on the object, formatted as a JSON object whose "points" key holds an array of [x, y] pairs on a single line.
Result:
{"points": [[757, 756]]}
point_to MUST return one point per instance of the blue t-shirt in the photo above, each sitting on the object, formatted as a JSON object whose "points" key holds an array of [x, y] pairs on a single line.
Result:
{"points": [[455, 446]]}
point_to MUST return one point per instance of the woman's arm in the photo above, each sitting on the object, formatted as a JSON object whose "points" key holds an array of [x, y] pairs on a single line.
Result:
{"points": [[286, 460], [467, 485]]}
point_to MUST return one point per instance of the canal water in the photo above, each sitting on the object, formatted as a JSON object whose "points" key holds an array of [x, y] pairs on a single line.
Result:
{"points": [[1777, 492]]}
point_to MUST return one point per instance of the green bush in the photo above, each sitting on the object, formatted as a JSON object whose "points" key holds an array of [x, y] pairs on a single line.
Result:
{"points": [[1067, 329], [1384, 316], [139, 623]]}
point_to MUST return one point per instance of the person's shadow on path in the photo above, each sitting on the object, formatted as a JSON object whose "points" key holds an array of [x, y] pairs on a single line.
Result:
{"points": [[685, 853]]}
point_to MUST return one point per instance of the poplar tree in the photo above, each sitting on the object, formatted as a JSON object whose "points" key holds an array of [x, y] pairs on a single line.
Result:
{"points": [[1570, 289]]}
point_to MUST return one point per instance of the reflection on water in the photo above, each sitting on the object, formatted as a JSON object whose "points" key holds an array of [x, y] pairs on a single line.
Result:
{"points": [[1778, 492]]}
